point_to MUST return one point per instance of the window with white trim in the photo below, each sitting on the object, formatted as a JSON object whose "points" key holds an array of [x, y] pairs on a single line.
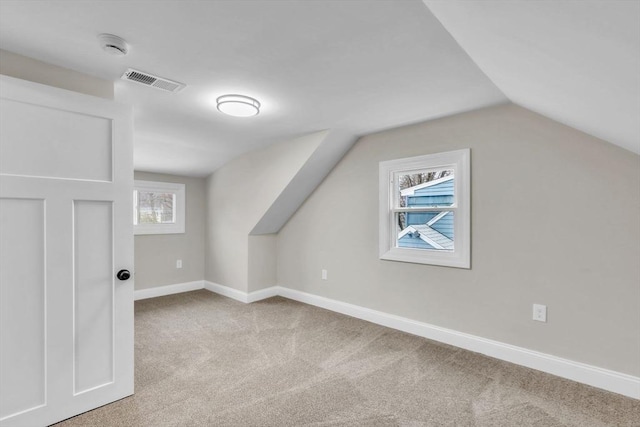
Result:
{"points": [[425, 211], [158, 207]]}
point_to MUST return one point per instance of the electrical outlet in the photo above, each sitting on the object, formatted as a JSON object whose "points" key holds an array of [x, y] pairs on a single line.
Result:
{"points": [[324, 274], [179, 263], [540, 312]]}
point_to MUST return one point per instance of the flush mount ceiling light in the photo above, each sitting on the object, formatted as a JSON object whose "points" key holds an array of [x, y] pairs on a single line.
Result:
{"points": [[238, 105], [113, 44]]}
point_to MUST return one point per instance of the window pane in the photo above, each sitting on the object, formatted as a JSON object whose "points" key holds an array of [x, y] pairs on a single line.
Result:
{"points": [[425, 230], [156, 208], [425, 188]]}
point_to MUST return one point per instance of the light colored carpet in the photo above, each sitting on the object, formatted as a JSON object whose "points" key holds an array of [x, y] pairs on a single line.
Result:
{"points": [[206, 360]]}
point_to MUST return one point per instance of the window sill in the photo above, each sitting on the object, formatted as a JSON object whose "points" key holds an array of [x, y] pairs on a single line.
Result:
{"points": [[157, 229], [441, 258]]}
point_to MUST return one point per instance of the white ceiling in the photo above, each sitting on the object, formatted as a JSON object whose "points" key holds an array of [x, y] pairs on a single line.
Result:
{"points": [[577, 62], [352, 66]]}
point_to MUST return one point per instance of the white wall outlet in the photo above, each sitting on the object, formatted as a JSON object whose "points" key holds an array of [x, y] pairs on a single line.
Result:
{"points": [[324, 274], [179, 263], [540, 312]]}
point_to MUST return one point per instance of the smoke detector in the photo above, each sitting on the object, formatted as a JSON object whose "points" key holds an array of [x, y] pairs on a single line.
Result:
{"points": [[113, 44]]}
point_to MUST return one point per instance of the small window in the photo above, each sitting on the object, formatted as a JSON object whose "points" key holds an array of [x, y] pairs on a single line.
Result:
{"points": [[158, 207], [425, 209]]}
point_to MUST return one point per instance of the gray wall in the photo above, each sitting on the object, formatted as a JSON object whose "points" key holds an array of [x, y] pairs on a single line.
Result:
{"points": [[555, 221], [156, 254], [22, 67], [238, 195]]}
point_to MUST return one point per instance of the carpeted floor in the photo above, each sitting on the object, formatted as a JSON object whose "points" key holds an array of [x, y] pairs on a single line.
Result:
{"points": [[206, 360]]}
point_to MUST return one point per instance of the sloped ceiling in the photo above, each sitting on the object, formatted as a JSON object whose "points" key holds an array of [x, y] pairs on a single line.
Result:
{"points": [[351, 66], [355, 67], [330, 150], [577, 62]]}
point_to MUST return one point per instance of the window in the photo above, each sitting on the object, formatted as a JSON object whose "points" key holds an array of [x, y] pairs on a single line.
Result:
{"points": [[425, 209], [158, 207]]}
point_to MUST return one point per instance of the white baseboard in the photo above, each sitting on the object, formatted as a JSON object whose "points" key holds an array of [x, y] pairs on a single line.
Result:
{"points": [[159, 291], [598, 377], [262, 294], [616, 382], [226, 291], [240, 295]]}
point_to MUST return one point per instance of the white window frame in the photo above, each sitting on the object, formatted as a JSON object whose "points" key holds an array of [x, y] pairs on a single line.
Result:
{"points": [[179, 208], [460, 162]]}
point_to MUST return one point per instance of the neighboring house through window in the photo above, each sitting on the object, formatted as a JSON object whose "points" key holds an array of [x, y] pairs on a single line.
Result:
{"points": [[424, 209], [158, 207]]}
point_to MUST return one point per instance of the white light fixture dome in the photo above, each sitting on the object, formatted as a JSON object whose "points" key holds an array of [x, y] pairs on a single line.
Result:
{"points": [[238, 105]]}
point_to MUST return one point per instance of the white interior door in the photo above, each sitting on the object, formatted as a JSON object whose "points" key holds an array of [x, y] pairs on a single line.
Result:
{"points": [[66, 321]]}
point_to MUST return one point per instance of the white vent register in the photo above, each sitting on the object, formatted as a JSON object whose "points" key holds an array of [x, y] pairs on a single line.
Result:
{"points": [[152, 81]]}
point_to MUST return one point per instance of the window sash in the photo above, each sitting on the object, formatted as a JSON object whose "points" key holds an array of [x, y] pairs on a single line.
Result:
{"points": [[389, 207], [395, 184], [178, 214], [424, 209], [137, 211]]}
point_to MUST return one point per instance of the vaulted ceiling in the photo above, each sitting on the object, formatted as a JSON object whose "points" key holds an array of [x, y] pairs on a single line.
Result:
{"points": [[577, 62], [352, 66]]}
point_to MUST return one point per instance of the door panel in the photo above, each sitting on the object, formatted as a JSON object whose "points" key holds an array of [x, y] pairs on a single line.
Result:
{"points": [[93, 294], [66, 323], [47, 142], [22, 305]]}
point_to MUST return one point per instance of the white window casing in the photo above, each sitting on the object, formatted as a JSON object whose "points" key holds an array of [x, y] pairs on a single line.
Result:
{"points": [[460, 162], [175, 227]]}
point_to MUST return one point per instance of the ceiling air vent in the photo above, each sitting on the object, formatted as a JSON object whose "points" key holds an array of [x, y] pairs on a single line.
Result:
{"points": [[152, 81]]}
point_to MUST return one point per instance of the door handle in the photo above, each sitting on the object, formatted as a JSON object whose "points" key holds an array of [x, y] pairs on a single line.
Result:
{"points": [[123, 275]]}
